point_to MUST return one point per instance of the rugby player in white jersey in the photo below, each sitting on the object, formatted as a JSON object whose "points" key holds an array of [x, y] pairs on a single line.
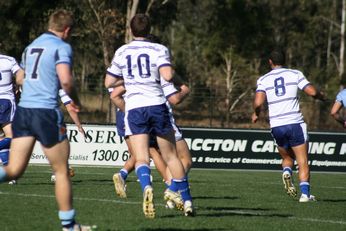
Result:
{"points": [[174, 97], [139, 65], [280, 88], [8, 69]]}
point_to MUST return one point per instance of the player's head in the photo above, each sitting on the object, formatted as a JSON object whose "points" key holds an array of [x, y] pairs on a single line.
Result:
{"points": [[153, 38], [140, 25], [277, 57], [61, 21]]}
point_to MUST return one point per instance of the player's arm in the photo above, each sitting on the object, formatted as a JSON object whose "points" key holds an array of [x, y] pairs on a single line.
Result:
{"points": [[259, 100], [166, 72], [334, 112], [65, 76], [116, 97], [112, 81], [19, 77], [313, 92], [179, 96], [74, 116]]}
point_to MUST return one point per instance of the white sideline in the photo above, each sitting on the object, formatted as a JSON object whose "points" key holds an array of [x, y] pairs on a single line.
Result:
{"points": [[128, 202]]}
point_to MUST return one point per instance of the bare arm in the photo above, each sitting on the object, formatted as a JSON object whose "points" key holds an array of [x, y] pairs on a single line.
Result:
{"points": [[311, 91], [112, 82], [74, 116], [19, 77], [334, 112], [259, 100], [179, 96], [116, 97], [65, 76], [166, 72]]}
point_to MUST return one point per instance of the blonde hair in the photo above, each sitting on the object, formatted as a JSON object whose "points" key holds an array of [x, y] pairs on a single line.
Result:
{"points": [[60, 20]]}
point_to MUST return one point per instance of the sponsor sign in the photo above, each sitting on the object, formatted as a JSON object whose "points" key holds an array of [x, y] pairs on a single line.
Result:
{"points": [[210, 148], [255, 149]]}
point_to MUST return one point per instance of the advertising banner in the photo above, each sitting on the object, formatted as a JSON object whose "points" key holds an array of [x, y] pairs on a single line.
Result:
{"points": [[210, 148], [255, 149]]}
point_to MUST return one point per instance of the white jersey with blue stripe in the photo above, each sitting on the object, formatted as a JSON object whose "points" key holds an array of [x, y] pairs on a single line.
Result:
{"points": [[281, 88], [8, 68], [138, 64], [39, 60]]}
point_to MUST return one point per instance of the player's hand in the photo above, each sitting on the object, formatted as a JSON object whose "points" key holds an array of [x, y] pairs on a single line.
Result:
{"points": [[74, 107], [254, 117], [81, 130], [185, 89]]}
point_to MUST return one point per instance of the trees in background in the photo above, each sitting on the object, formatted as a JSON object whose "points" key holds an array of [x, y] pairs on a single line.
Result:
{"points": [[218, 47]]}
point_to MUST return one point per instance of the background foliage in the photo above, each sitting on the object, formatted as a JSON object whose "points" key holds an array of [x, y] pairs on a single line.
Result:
{"points": [[219, 48]]}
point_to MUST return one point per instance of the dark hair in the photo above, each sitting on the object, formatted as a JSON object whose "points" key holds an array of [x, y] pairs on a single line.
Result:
{"points": [[153, 38], [140, 25], [277, 57]]}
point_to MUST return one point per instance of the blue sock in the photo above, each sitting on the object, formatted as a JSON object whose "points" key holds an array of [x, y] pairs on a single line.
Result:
{"points": [[305, 188], [183, 188], [173, 186], [3, 175], [143, 174], [67, 218], [287, 169], [5, 143], [124, 173], [4, 157]]}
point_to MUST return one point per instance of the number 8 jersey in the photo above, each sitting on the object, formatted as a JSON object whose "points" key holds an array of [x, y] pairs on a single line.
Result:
{"points": [[41, 84], [138, 63], [281, 88]]}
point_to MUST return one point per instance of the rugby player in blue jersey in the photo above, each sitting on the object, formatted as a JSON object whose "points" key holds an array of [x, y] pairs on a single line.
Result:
{"points": [[47, 63]]}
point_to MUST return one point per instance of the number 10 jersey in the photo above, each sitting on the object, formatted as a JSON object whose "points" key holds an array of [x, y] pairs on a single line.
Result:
{"points": [[138, 63]]}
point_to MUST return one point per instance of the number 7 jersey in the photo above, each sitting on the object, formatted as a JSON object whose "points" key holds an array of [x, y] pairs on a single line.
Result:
{"points": [[39, 60], [138, 63], [281, 88]]}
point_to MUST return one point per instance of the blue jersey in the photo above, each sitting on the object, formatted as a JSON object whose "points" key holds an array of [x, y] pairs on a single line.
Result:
{"points": [[41, 84], [341, 97]]}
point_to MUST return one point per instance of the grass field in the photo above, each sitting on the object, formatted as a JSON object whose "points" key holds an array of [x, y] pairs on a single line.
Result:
{"points": [[224, 200]]}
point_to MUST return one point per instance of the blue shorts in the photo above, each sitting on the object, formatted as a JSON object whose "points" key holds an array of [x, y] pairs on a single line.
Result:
{"points": [[46, 125], [119, 116], [291, 135], [7, 109], [152, 120]]}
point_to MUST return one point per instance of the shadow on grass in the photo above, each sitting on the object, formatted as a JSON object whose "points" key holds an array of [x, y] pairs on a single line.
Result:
{"points": [[177, 229], [237, 211], [332, 200], [215, 197]]}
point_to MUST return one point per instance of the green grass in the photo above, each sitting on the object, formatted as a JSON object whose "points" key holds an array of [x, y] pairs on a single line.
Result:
{"points": [[224, 200]]}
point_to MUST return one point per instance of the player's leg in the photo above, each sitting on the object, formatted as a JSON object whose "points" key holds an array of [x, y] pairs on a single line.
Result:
{"points": [[58, 158], [140, 148], [184, 154], [159, 163], [120, 177], [280, 136], [179, 182], [20, 152], [7, 128], [287, 178], [304, 172]]}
